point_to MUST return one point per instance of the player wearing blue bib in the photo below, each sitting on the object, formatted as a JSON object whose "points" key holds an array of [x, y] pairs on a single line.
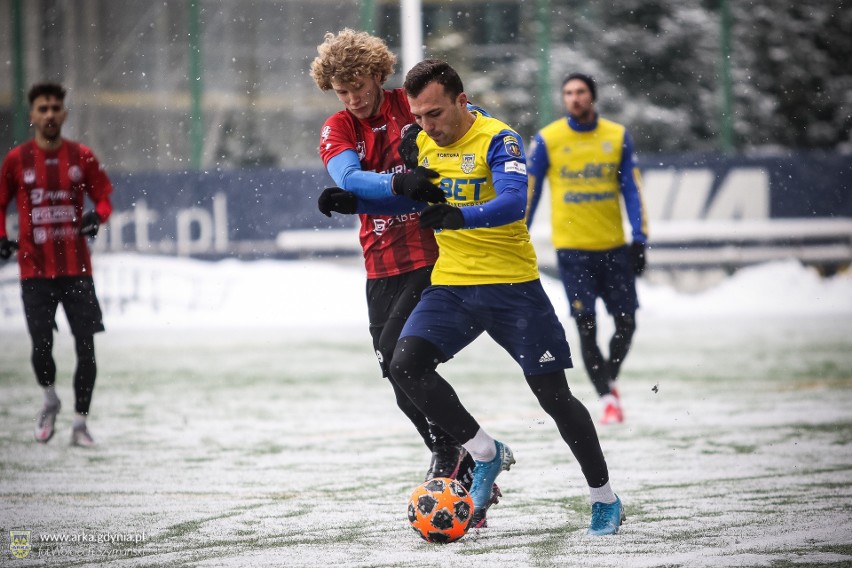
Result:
{"points": [[486, 280]]}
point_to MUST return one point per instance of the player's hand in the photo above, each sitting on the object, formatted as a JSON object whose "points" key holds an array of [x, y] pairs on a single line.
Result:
{"points": [[7, 247], [407, 148], [637, 257], [90, 224], [442, 216], [337, 199], [416, 185]]}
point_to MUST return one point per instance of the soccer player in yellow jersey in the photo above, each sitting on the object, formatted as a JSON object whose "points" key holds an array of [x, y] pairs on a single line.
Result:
{"points": [[486, 280], [588, 162]]}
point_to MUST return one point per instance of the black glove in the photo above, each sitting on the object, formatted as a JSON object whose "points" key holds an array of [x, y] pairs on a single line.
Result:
{"points": [[637, 257], [337, 199], [7, 247], [90, 224], [442, 216], [407, 148], [416, 185]]}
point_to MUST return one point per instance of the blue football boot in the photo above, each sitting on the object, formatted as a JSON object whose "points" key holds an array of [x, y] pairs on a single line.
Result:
{"points": [[606, 518], [484, 474]]}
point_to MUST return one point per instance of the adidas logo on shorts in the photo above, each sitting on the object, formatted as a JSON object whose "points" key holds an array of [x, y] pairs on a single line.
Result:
{"points": [[546, 358]]}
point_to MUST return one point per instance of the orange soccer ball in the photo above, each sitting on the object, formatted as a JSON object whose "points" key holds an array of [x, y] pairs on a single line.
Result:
{"points": [[440, 510]]}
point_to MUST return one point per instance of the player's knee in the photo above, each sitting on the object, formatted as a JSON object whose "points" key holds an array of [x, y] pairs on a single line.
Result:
{"points": [[402, 363], [552, 391], [587, 327], [412, 358], [84, 345], [625, 325], [42, 344]]}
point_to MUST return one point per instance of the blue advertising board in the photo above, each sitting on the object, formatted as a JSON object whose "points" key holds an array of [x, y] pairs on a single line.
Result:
{"points": [[243, 212]]}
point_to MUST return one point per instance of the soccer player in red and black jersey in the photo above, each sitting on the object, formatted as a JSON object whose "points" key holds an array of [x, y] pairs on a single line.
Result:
{"points": [[358, 146], [48, 178]]}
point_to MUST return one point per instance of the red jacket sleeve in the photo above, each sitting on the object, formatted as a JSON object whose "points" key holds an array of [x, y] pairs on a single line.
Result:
{"points": [[98, 185], [7, 192]]}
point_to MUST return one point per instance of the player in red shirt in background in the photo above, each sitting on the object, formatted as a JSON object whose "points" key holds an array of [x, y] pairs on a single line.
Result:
{"points": [[48, 178], [358, 146]]}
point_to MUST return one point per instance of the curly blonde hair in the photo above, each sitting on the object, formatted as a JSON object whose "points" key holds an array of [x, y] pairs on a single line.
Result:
{"points": [[345, 57]]}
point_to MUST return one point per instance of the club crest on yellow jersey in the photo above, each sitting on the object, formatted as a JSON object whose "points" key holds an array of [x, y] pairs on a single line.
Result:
{"points": [[468, 163]]}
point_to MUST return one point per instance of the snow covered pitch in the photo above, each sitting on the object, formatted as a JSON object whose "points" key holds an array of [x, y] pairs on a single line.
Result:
{"points": [[242, 421]]}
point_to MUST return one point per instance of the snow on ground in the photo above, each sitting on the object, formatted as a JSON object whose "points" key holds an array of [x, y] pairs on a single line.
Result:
{"points": [[242, 421], [166, 292]]}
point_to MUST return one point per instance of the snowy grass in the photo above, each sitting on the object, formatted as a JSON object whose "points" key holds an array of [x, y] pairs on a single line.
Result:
{"points": [[276, 447]]}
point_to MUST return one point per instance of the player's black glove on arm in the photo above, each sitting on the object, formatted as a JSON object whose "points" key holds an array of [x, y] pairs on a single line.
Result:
{"points": [[442, 216], [336, 199], [416, 185], [407, 148], [637, 257], [7, 247], [90, 224]]}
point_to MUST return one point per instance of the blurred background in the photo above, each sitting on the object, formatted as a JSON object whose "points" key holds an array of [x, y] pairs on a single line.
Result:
{"points": [[206, 118]]}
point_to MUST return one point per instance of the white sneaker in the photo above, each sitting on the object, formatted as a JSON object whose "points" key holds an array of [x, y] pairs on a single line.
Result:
{"points": [[45, 421], [80, 436]]}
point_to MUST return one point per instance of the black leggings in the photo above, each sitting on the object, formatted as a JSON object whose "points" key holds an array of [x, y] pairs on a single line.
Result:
{"points": [[384, 339], [84, 374], [602, 371], [413, 368], [390, 301]]}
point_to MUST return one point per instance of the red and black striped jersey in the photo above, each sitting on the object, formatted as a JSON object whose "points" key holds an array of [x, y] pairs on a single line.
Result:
{"points": [[392, 244], [49, 188]]}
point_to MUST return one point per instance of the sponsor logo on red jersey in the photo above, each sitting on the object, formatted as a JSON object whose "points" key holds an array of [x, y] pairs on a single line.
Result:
{"points": [[53, 214]]}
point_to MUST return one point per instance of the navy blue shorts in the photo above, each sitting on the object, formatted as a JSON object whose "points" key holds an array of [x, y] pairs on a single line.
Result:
{"points": [[519, 317], [588, 275], [42, 296]]}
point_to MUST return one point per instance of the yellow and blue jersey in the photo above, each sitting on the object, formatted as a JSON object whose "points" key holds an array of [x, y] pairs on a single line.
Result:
{"points": [[483, 173], [590, 169]]}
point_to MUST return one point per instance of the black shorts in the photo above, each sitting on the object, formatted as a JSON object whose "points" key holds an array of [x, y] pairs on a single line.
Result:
{"points": [[395, 296], [76, 293]]}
